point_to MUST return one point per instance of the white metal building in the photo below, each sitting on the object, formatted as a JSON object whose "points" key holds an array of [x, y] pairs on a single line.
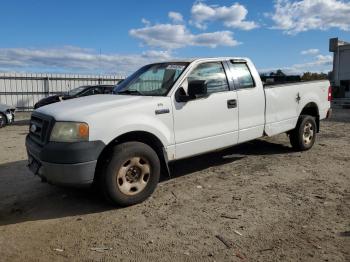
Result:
{"points": [[340, 77]]}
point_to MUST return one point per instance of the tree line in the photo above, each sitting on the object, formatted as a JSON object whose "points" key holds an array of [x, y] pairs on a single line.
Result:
{"points": [[307, 76]]}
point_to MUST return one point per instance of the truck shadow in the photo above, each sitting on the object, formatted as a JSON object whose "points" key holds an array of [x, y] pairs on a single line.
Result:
{"points": [[225, 156], [24, 198]]}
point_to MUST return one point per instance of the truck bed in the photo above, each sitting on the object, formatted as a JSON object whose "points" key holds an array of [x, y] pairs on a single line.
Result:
{"points": [[284, 102]]}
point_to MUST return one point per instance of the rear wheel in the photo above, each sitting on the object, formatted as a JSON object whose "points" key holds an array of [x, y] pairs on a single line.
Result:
{"points": [[304, 135], [131, 175], [3, 120]]}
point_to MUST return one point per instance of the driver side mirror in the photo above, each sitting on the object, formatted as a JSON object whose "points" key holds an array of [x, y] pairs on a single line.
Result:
{"points": [[196, 89]]}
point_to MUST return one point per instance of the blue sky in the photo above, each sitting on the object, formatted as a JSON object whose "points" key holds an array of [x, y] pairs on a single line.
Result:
{"points": [[68, 36]]}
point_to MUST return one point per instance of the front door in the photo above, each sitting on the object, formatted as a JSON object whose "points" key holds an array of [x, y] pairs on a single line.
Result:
{"points": [[208, 123]]}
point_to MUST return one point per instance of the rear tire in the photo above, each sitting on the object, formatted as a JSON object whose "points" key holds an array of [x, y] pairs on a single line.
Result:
{"points": [[131, 175], [3, 120], [303, 137]]}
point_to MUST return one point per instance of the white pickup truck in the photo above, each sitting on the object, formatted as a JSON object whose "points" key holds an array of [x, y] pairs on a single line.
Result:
{"points": [[164, 112]]}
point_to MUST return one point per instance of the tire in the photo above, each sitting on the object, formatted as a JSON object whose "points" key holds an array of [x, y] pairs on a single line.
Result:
{"points": [[3, 120], [303, 137], [131, 175]]}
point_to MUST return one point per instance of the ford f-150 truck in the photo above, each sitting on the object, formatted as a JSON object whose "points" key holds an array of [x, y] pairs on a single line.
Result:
{"points": [[164, 112]]}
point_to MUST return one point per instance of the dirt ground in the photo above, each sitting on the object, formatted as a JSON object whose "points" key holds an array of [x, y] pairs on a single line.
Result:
{"points": [[258, 201]]}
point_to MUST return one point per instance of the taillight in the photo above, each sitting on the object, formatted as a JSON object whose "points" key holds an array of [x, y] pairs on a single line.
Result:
{"points": [[330, 93]]}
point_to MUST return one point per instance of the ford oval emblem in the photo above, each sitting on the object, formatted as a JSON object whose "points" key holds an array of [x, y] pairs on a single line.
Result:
{"points": [[33, 128]]}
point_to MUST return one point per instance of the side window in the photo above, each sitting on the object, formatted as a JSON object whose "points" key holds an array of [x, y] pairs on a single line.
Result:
{"points": [[88, 92], [92, 91], [98, 90], [108, 89], [213, 74], [243, 75]]}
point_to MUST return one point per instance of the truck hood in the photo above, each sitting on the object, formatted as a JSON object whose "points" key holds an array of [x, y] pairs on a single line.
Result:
{"points": [[80, 109]]}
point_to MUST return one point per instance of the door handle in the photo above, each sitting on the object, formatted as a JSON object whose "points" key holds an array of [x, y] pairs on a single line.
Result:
{"points": [[232, 103]]}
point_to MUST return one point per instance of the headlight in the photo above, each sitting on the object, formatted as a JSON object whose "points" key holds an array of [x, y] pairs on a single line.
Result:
{"points": [[70, 132]]}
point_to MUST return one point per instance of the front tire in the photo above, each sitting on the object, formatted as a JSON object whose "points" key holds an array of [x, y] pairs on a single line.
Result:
{"points": [[131, 175], [303, 137], [3, 120]]}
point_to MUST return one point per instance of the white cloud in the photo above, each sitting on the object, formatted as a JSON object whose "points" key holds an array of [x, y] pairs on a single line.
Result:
{"points": [[321, 64], [156, 54], [172, 36], [312, 51], [70, 59], [231, 16], [145, 22], [175, 17], [294, 17]]}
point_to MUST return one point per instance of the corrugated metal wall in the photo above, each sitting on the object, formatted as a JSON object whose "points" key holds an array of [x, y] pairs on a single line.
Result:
{"points": [[24, 90]]}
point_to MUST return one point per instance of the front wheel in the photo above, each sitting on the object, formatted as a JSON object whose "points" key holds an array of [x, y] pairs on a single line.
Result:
{"points": [[131, 175], [304, 135]]}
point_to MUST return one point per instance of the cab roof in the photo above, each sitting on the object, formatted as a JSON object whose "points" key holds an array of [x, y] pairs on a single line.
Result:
{"points": [[190, 60]]}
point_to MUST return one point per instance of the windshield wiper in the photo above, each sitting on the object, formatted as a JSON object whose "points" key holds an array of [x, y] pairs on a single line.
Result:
{"points": [[129, 92]]}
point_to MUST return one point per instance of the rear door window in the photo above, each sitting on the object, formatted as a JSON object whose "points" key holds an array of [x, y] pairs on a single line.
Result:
{"points": [[241, 72]]}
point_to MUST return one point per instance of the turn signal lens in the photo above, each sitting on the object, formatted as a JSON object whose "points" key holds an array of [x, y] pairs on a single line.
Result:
{"points": [[83, 130]]}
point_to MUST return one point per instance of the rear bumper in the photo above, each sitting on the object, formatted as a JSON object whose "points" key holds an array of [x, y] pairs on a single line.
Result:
{"points": [[71, 164]]}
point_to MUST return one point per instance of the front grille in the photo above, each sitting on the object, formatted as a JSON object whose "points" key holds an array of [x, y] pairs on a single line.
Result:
{"points": [[40, 128]]}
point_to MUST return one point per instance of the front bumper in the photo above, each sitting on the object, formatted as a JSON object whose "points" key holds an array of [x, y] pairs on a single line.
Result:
{"points": [[10, 117], [64, 163], [79, 174]]}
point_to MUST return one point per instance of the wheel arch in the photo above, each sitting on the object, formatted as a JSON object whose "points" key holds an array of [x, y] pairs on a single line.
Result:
{"points": [[136, 136], [312, 109]]}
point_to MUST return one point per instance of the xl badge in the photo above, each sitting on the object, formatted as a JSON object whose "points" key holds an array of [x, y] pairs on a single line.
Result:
{"points": [[33, 128]]}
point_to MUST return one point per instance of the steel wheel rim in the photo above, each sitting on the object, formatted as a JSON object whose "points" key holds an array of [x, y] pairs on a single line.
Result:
{"points": [[133, 176], [308, 133]]}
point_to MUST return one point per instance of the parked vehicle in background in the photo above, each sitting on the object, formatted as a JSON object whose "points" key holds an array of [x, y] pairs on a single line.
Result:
{"points": [[75, 93], [7, 115], [165, 112]]}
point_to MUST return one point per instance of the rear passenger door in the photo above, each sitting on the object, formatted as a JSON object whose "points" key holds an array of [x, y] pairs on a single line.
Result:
{"points": [[251, 101]]}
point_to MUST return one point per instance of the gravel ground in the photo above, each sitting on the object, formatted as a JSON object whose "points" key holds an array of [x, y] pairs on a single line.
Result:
{"points": [[258, 201]]}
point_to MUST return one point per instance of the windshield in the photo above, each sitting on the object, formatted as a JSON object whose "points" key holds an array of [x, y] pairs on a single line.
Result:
{"points": [[152, 80], [76, 90]]}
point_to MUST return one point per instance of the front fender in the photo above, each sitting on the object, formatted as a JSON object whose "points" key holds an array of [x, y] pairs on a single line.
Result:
{"points": [[160, 127]]}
